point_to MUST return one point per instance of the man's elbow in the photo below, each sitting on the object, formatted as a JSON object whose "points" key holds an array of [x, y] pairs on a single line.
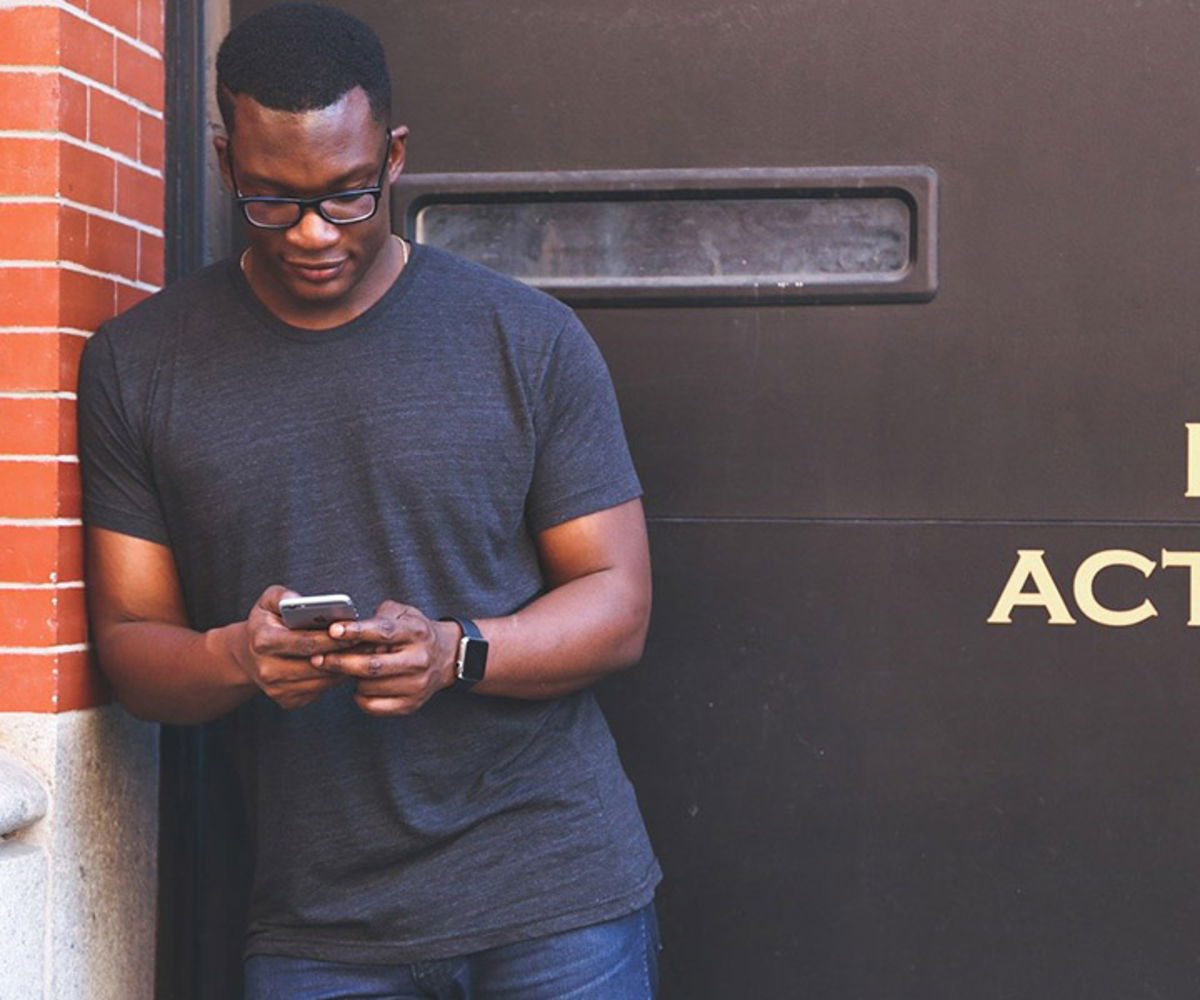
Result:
{"points": [[138, 709], [629, 649], [130, 695]]}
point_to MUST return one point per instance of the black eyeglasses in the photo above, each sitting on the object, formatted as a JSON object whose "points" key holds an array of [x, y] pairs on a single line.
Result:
{"points": [[342, 208]]}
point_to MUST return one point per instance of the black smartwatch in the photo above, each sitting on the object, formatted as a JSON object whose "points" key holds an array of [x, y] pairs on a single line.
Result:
{"points": [[471, 663]]}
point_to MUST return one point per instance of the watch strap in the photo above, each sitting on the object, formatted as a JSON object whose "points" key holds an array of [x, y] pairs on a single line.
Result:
{"points": [[469, 628]]}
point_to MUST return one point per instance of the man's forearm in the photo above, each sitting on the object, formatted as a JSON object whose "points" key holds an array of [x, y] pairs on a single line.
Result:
{"points": [[169, 673], [568, 638]]}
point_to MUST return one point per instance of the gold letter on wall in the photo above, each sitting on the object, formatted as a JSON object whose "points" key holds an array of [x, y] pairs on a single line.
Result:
{"points": [[1031, 566], [1085, 578], [1193, 460]]}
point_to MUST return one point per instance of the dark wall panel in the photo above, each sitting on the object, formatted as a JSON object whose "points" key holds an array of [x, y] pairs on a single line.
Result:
{"points": [[860, 789]]}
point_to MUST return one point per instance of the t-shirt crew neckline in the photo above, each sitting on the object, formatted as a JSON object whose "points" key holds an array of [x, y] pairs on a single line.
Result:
{"points": [[360, 323]]}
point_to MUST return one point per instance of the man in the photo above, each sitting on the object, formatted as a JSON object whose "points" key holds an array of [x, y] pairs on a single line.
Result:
{"points": [[435, 800]]}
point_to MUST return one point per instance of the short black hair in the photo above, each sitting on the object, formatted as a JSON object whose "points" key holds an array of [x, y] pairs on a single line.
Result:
{"points": [[302, 57]]}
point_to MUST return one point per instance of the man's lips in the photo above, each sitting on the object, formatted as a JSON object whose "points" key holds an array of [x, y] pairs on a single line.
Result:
{"points": [[320, 270]]}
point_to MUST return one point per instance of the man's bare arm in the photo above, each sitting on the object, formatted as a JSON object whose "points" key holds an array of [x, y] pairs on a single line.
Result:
{"points": [[165, 671], [592, 621]]}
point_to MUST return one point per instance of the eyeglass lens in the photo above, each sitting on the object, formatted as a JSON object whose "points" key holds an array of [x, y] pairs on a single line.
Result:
{"points": [[340, 209]]}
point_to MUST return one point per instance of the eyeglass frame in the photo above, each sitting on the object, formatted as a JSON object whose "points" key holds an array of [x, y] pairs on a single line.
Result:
{"points": [[303, 204]]}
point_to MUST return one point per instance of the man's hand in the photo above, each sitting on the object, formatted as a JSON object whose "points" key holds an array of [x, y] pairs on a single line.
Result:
{"points": [[400, 657], [280, 660]]}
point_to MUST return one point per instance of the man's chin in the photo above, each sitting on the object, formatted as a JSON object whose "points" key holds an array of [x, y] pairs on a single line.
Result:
{"points": [[328, 293], [317, 291]]}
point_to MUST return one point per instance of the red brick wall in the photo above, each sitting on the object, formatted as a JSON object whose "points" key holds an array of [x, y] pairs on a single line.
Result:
{"points": [[81, 238]]}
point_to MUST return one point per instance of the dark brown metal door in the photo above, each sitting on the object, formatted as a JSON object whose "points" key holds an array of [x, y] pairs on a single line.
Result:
{"points": [[858, 786]]}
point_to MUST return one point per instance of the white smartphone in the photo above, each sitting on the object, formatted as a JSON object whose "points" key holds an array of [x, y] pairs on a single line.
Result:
{"points": [[316, 611]]}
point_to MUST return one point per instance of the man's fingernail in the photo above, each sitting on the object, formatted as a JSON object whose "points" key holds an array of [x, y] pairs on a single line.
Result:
{"points": [[337, 631]]}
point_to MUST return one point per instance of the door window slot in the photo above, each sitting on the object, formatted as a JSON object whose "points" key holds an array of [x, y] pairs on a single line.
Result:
{"points": [[630, 237]]}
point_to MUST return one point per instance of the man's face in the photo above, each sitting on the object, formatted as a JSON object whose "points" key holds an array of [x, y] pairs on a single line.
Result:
{"points": [[315, 273]]}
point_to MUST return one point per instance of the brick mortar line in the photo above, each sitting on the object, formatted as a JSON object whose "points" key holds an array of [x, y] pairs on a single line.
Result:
{"points": [[72, 647], [76, 268], [41, 522], [45, 199], [45, 331], [10, 585], [84, 16], [68, 459], [87, 81], [37, 394], [91, 147]]}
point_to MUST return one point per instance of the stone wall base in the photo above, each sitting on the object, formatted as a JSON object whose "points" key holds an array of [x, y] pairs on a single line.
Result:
{"points": [[78, 887]]}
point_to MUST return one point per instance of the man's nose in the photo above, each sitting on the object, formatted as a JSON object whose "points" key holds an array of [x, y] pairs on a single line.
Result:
{"points": [[313, 230]]}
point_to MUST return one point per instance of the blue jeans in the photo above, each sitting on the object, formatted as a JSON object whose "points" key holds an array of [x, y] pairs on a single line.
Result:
{"points": [[614, 960]]}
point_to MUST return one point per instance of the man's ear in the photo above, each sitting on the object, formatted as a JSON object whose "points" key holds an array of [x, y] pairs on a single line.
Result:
{"points": [[396, 155], [220, 145]]}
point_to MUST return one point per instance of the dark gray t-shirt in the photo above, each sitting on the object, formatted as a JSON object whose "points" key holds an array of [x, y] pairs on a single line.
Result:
{"points": [[410, 454]]}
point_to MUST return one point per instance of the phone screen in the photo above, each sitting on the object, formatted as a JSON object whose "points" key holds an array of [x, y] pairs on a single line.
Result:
{"points": [[317, 611]]}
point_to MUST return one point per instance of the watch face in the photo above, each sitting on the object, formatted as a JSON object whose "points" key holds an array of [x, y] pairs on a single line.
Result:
{"points": [[472, 659]]}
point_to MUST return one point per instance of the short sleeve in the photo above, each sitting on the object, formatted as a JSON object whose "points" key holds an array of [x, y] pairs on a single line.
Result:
{"points": [[583, 463], [118, 484]]}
